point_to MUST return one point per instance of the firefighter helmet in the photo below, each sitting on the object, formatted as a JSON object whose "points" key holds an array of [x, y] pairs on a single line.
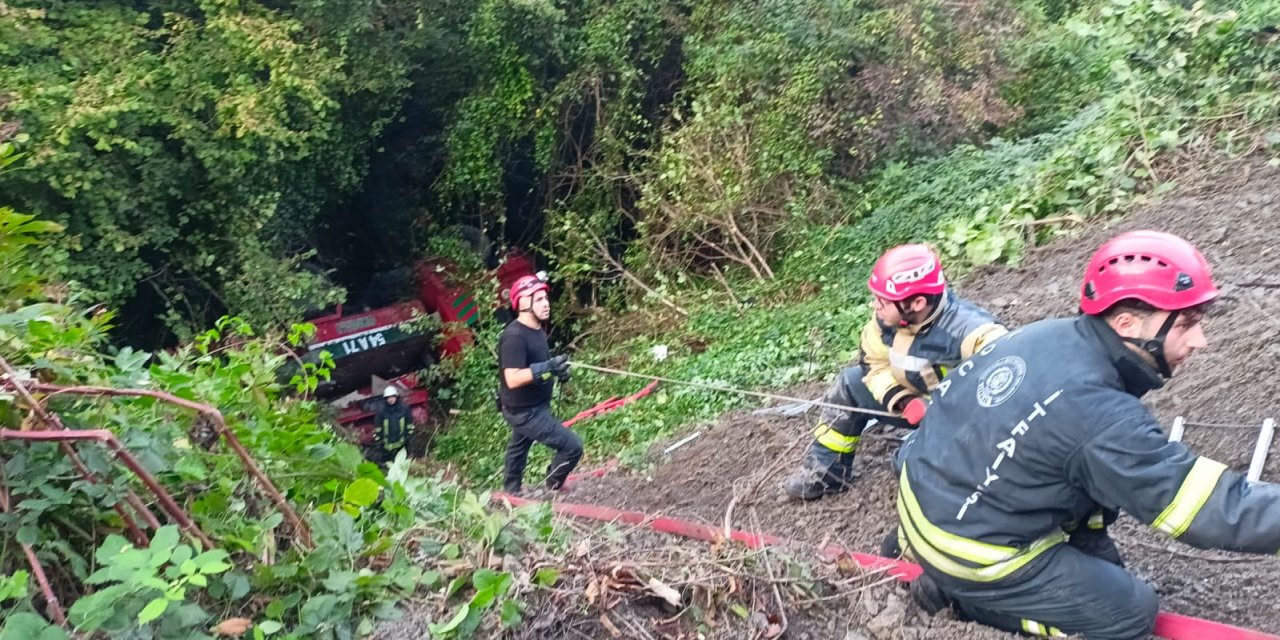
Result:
{"points": [[907, 271], [1157, 268], [526, 286]]}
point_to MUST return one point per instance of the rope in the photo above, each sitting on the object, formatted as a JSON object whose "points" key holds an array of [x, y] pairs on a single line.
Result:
{"points": [[745, 392], [1220, 425], [820, 403]]}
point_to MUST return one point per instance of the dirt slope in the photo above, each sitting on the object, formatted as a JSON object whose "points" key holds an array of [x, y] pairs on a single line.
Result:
{"points": [[1233, 217]]}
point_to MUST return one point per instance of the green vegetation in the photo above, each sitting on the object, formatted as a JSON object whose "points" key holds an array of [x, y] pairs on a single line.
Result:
{"points": [[1116, 97], [715, 177]]}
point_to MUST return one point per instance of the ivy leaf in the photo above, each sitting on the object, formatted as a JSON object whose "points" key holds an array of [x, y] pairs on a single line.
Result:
{"points": [[29, 626], [362, 492], [28, 534], [546, 576], [153, 610], [268, 627], [511, 615], [438, 630], [166, 537]]}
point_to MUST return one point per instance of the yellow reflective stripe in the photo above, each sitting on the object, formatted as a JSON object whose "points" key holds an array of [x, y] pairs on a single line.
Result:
{"points": [[1191, 496], [980, 336], [926, 549], [964, 548], [1035, 628], [834, 440], [1096, 521]]}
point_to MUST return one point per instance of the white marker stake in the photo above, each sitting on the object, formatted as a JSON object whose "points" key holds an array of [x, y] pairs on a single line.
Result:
{"points": [[1175, 432], [1260, 451], [681, 443]]}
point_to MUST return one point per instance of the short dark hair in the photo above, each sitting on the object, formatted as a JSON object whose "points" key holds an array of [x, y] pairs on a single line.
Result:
{"points": [[1140, 308], [931, 299]]}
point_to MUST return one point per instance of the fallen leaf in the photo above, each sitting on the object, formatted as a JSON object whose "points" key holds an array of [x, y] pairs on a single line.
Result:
{"points": [[593, 590], [660, 589], [234, 627], [773, 631], [608, 625]]}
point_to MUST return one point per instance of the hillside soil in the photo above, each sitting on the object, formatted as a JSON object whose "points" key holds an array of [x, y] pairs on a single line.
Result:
{"points": [[1234, 217]]}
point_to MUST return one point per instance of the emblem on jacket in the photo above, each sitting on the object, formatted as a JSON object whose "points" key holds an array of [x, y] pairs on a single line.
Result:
{"points": [[1001, 380]]}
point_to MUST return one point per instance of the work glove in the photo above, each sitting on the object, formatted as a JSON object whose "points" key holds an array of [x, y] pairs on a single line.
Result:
{"points": [[913, 413], [1097, 543], [542, 371]]}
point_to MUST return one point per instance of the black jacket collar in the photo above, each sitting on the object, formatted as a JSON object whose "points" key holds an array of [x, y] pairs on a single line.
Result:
{"points": [[1138, 376]]}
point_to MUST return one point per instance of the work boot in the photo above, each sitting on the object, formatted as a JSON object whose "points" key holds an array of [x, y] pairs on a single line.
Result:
{"points": [[928, 596], [823, 472], [889, 547]]}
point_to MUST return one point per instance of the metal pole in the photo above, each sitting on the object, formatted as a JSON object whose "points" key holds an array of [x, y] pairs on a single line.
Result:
{"points": [[1260, 451]]}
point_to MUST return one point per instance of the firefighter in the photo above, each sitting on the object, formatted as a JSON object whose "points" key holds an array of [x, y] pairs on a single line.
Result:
{"points": [[1031, 447], [392, 426], [527, 373], [919, 330]]}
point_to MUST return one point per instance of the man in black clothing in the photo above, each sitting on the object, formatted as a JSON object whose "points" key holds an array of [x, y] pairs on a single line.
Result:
{"points": [[392, 427], [526, 378]]}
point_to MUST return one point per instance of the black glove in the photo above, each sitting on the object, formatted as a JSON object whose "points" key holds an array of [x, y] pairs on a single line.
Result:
{"points": [[561, 368], [542, 371], [1097, 543]]}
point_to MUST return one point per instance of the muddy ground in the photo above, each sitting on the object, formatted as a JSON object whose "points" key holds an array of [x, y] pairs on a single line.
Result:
{"points": [[1234, 217]]}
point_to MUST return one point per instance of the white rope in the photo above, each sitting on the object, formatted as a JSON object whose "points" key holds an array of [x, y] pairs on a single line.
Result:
{"points": [[745, 392]]}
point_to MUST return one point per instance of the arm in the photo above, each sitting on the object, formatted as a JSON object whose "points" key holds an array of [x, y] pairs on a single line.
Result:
{"points": [[1131, 465], [980, 336], [879, 374], [538, 372]]}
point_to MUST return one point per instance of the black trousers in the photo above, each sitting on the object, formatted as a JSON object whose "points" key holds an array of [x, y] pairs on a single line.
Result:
{"points": [[849, 390], [1064, 590], [538, 425]]}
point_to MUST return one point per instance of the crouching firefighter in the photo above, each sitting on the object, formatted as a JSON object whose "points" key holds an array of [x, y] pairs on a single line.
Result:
{"points": [[1031, 447], [527, 374], [920, 329]]}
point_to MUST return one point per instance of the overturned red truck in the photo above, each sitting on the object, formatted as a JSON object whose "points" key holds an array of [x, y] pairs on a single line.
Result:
{"points": [[392, 344]]}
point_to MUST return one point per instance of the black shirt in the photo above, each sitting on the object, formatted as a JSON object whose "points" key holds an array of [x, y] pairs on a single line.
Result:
{"points": [[518, 348]]}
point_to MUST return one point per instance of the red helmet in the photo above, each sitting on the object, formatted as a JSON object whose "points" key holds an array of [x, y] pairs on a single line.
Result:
{"points": [[526, 286], [1157, 268], [906, 271]]}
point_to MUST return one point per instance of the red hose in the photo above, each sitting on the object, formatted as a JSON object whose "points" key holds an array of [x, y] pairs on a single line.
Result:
{"points": [[1168, 625], [611, 404]]}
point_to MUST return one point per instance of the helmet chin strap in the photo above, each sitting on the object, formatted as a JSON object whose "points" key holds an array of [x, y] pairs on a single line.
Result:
{"points": [[902, 313], [905, 318], [1155, 346]]}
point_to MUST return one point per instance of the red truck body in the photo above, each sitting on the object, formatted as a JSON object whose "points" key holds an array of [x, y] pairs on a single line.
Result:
{"points": [[383, 346]]}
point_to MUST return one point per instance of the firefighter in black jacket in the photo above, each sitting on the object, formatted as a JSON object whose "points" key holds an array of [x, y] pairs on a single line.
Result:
{"points": [[918, 331], [1030, 448], [392, 426]]}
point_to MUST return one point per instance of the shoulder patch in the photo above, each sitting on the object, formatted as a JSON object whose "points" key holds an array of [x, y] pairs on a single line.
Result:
{"points": [[1001, 380]]}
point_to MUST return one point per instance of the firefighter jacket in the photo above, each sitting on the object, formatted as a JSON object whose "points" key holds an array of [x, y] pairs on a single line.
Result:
{"points": [[1044, 428], [904, 362], [393, 426]]}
